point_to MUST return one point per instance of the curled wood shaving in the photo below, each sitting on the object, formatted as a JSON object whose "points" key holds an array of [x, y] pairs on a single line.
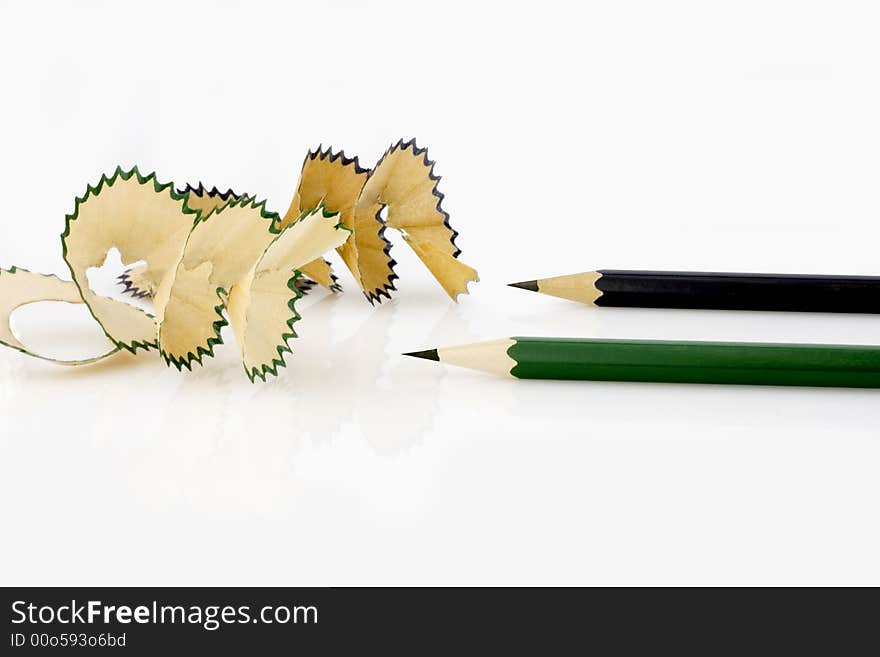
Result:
{"points": [[207, 254]]}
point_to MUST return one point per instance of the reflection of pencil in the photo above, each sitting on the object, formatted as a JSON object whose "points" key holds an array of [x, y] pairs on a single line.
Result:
{"points": [[721, 291], [674, 362]]}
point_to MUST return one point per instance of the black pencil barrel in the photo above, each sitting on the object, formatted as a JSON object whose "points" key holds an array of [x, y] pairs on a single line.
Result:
{"points": [[733, 291]]}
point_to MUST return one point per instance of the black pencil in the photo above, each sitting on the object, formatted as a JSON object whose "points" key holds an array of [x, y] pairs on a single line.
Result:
{"points": [[715, 290]]}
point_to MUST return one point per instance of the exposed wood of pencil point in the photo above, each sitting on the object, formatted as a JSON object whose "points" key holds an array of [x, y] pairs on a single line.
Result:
{"points": [[575, 287]]}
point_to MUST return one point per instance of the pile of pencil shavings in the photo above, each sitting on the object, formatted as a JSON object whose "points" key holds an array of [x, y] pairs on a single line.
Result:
{"points": [[208, 256]]}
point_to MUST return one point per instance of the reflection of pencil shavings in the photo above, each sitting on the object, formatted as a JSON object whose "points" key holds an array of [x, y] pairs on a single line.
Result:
{"points": [[204, 255]]}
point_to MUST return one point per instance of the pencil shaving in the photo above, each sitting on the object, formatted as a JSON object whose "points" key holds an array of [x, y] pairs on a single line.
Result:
{"points": [[20, 287], [334, 180], [202, 255], [404, 185], [135, 284]]}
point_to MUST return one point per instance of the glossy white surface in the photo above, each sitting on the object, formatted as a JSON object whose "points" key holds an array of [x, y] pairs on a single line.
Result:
{"points": [[569, 138]]}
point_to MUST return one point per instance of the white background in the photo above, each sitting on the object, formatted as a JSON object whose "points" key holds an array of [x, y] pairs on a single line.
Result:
{"points": [[738, 136]]}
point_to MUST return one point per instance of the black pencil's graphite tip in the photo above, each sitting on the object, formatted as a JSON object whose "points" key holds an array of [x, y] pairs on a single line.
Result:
{"points": [[428, 354], [532, 286]]}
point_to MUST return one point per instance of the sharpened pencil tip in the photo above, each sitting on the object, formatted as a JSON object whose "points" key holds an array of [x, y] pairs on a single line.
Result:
{"points": [[532, 286], [428, 354]]}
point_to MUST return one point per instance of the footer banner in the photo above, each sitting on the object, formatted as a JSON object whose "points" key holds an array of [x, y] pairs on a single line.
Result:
{"points": [[264, 621]]}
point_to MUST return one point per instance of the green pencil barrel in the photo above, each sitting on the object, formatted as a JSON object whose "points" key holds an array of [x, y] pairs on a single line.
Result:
{"points": [[696, 362]]}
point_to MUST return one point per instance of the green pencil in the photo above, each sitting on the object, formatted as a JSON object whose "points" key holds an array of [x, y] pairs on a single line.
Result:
{"points": [[751, 363]]}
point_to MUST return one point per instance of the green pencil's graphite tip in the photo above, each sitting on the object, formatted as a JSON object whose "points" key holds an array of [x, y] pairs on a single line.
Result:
{"points": [[428, 354], [532, 286]]}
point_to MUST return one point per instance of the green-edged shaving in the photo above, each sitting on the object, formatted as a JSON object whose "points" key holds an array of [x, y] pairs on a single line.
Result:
{"points": [[203, 256]]}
